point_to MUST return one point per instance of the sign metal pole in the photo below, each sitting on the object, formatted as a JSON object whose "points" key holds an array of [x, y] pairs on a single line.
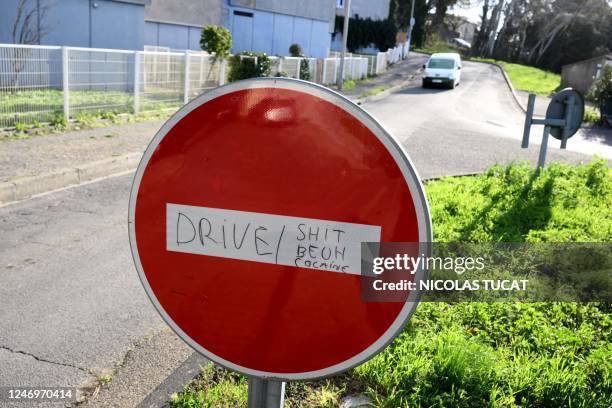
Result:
{"points": [[411, 25], [347, 7], [528, 119], [543, 147], [569, 111], [265, 393]]}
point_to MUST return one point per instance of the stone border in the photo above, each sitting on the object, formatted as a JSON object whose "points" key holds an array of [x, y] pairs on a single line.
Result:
{"points": [[175, 382], [387, 92], [25, 187]]}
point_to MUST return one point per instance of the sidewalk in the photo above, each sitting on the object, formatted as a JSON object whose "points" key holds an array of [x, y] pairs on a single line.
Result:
{"points": [[44, 163]]}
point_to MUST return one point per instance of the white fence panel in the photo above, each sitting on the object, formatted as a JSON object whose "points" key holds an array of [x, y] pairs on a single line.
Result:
{"points": [[30, 84], [330, 68], [204, 73], [43, 83], [100, 81], [290, 66], [312, 69], [163, 83]]}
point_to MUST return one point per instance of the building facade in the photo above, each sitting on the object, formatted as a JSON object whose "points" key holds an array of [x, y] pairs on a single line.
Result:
{"points": [[269, 26], [581, 75], [177, 24], [78, 23]]}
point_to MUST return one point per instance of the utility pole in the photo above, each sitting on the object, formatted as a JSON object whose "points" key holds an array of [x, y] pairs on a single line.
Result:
{"points": [[411, 24], [347, 7]]}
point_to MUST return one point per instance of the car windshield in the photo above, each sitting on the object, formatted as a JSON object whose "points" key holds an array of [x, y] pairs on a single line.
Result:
{"points": [[441, 63]]}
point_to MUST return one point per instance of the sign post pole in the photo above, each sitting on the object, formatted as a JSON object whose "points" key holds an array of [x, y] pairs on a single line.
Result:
{"points": [[543, 147], [562, 121], [528, 120], [265, 393], [569, 112], [347, 10]]}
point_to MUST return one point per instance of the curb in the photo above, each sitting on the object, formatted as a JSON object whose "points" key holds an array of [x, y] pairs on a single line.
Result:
{"points": [[175, 382], [26, 187], [387, 92], [508, 82]]}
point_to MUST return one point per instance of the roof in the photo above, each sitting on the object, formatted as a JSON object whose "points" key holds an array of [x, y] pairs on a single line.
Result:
{"points": [[446, 55], [604, 56]]}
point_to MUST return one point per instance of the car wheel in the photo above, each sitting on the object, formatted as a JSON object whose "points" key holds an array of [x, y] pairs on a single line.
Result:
{"points": [[424, 84], [452, 85]]}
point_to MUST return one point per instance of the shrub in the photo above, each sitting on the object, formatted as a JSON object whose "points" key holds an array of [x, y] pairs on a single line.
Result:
{"points": [[296, 51], [601, 90], [217, 40], [249, 65], [365, 32], [590, 115]]}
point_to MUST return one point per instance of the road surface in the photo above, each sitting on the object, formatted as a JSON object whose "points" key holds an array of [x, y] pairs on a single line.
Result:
{"points": [[469, 128], [72, 305]]}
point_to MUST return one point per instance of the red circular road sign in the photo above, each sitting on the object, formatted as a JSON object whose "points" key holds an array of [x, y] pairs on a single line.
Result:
{"points": [[246, 217]]}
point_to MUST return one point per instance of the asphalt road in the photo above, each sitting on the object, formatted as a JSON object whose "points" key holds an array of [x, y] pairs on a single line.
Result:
{"points": [[469, 128], [71, 302]]}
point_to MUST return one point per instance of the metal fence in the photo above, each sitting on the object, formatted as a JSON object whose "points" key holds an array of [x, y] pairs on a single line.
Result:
{"points": [[42, 84]]}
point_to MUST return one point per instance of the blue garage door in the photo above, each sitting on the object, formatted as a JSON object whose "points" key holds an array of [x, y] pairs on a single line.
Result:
{"points": [[243, 31]]}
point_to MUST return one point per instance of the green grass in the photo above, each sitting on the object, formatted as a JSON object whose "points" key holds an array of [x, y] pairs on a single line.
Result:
{"points": [[483, 354], [591, 115], [26, 109], [375, 91], [438, 47], [530, 79], [349, 85]]}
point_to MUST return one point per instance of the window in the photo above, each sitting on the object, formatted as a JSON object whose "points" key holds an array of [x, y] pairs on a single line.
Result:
{"points": [[242, 13], [441, 63], [340, 3]]}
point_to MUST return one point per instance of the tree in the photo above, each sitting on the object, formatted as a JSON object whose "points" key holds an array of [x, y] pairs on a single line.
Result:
{"points": [[601, 90], [216, 40], [365, 32], [544, 33], [402, 19], [29, 27], [419, 33]]}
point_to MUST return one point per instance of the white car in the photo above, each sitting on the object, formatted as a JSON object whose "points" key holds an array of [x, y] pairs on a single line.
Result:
{"points": [[442, 69]]}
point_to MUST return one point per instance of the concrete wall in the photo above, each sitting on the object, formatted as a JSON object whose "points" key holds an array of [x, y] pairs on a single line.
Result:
{"points": [[581, 75], [312, 9], [83, 23], [196, 13], [466, 31], [273, 33], [374, 9]]}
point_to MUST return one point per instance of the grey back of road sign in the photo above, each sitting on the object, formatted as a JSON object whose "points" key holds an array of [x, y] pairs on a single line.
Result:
{"points": [[566, 102]]}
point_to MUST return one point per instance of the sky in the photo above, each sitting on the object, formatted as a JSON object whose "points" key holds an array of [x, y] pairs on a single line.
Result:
{"points": [[472, 13]]}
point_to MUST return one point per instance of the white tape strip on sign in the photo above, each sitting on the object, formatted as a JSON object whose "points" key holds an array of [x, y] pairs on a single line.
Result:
{"points": [[276, 239]]}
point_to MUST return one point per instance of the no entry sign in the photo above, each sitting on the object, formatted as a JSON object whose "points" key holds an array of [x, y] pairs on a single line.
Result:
{"points": [[246, 219]]}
